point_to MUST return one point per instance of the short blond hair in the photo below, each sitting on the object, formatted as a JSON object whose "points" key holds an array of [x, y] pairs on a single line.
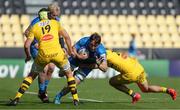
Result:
{"points": [[53, 6]]}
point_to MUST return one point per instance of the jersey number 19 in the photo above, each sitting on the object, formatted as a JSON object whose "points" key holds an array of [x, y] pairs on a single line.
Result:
{"points": [[46, 29]]}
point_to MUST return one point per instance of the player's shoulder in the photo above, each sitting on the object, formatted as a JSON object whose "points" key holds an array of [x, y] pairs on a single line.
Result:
{"points": [[84, 39], [101, 49], [54, 22], [34, 21]]}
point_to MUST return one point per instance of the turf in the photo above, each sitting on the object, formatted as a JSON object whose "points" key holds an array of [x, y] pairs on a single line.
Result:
{"points": [[91, 89]]}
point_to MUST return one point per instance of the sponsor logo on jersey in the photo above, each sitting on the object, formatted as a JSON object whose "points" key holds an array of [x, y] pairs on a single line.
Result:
{"points": [[47, 37]]}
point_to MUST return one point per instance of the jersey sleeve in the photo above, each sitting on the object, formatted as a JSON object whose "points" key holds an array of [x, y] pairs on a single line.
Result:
{"points": [[31, 34], [81, 43], [34, 21], [59, 26], [102, 52]]}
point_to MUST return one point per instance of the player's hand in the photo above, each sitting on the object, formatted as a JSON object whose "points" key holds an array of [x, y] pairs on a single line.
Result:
{"points": [[72, 54], [124, 55], [99, 60], [27, 59]]}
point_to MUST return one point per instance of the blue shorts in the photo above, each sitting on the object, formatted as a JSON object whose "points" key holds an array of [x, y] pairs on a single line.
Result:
{"points": [[75, 63], [34, 52]]}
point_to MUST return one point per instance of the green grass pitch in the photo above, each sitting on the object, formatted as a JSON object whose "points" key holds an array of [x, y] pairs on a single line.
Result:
{"points": [[93, 93]]}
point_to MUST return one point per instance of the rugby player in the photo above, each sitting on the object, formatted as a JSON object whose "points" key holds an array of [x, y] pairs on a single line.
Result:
{"points": [[96, 51], [132, 72], [45, 76], [47, 33]]}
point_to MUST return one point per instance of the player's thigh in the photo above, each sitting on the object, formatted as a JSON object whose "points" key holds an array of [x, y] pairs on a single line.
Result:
{"points": [[142, 81], [62, 62], [119, 79], [50, 68], [36, 68], [141, 78]]}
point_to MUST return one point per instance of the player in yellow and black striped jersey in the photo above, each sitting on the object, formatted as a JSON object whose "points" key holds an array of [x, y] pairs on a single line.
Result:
{"points": [[47, 33], [132, 72]]}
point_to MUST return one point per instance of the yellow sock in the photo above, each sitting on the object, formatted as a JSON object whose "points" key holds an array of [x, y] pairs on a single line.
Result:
{"points": [[130, 92], [24, 86], [72, 86], [164, 89]]}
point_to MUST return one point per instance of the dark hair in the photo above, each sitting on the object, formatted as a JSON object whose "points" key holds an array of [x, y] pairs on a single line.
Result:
{"points": [[95, 37], [41, 10]]}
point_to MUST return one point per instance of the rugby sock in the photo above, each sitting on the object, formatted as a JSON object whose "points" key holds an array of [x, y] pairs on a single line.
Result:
{"points": [[41, 87], [131, 93], [72, 85], [164, 89], [63, 92], [24, 86], [46, 84]]}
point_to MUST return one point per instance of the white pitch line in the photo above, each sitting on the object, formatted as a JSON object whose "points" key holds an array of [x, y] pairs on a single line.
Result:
{"points": [[33, 93], [83, 99], [89, 100], [93, 100]]}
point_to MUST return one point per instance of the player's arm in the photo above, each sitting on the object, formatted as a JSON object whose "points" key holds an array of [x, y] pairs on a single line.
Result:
{"points": [[67, 39], [102, 63], [26, 32], [27, 45], [27, 49], [77, 55], [61, 40]]}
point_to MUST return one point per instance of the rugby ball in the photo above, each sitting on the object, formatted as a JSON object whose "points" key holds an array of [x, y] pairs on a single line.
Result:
{"points": [[83, 51]]}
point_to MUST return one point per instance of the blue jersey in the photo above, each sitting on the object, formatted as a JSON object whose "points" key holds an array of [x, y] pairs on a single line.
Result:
{"points": [[33, 49], [84, 42], [132, 48], [99, 52]]}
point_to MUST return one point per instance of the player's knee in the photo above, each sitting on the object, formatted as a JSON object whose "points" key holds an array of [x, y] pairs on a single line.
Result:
{"points": [[51, 68], [145, 90]]}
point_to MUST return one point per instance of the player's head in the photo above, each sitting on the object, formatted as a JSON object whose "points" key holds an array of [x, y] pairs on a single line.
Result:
{"points": [[43, 14], [54, 10], [133, 36], [95, 40]]}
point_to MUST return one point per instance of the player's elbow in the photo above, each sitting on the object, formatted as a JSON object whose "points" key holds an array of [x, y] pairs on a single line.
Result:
{"points": [[26, 32], [27, 44]]}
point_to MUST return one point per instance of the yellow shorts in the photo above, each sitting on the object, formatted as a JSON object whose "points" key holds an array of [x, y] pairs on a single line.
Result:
{"points": [[138, 75], [58, 58]]}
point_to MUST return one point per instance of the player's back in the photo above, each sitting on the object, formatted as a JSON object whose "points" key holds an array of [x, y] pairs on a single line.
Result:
{"points": [[121, 63], [46, 33]]}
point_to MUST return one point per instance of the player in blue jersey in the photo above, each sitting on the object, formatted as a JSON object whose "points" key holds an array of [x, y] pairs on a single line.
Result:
{"points": [[43, 79], [96, 50]]}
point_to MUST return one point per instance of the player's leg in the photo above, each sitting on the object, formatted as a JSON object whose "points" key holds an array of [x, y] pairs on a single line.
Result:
{"points": [[119, 82], [43, 81], [63, 92], [78, 78], [72, 85], [26, 83], [145, 87], [50, 70], [65, 66]]}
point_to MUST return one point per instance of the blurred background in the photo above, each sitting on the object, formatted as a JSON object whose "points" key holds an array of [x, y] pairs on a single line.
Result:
{"points": [[155, 25]]}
